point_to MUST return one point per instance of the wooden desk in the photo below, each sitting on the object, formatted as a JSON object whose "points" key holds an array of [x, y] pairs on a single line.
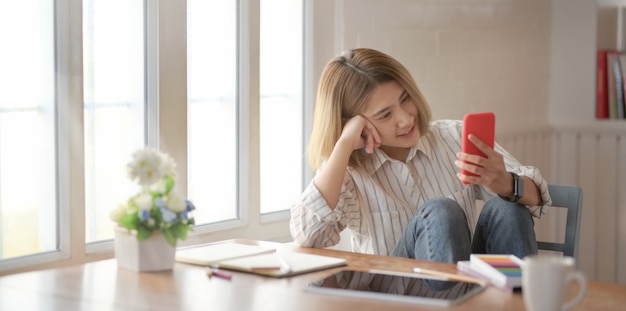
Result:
{"points": [[102, 286]]}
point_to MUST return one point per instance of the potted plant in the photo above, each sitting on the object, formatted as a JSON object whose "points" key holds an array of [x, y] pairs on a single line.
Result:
{"points": [[151, 222]]}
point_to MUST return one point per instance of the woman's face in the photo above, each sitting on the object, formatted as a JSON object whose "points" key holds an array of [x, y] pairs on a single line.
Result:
{"points": [[390, 109]]}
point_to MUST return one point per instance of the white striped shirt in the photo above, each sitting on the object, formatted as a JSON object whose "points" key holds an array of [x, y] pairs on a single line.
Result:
{"points": [[378, 199]]}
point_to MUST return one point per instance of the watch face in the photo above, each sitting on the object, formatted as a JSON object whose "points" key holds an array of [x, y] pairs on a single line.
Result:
{"points": [[518, 187]]}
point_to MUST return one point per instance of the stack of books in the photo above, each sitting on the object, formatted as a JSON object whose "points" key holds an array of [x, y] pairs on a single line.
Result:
{"points": [[503, 271], [611, 84]]}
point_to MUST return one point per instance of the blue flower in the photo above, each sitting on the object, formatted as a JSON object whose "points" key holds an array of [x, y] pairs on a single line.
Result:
{"points": [[144, 215], [184, 215], [160, 203], [168, 215], [190, 206]]}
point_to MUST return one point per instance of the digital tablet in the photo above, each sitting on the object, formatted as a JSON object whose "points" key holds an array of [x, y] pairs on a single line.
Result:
{"points": [[396, 286], [482, 125]]}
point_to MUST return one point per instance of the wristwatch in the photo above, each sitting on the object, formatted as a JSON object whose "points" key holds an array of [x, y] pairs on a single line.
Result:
{"points": [[518, 188]]}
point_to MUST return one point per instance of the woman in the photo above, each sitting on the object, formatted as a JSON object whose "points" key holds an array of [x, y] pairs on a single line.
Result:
{"points": [[392, 177]]}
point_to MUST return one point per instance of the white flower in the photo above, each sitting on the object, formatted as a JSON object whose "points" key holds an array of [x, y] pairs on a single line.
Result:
{"points": [[158, 186], [118, 213], [144, 201], [175, 203], [156, 173], [146, 166], [168, 166]]}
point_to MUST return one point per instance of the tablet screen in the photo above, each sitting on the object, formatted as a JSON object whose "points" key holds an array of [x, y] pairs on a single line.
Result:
{"points": [[406, 287]]}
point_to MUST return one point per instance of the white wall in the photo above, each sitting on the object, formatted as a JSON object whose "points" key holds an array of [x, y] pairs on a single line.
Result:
{"points": [[573, 63], [465, 55]]}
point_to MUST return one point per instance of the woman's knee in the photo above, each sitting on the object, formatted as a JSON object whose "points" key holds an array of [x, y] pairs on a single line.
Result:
{"points": [[500, 209], [441, 207]]}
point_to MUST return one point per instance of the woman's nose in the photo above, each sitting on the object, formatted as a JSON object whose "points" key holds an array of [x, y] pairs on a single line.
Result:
{"points": [[404, 118]]}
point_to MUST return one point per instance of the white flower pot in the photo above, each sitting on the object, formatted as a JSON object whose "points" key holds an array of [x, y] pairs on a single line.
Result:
{"points": [[153, 254]]}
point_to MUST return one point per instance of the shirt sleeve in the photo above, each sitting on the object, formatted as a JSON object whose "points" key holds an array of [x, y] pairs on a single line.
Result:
{"points": [[512, 165], [313, 223]]}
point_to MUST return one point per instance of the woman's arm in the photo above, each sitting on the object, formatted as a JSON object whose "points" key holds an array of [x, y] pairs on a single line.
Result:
{"points": [[329, 179], [357, 133]]}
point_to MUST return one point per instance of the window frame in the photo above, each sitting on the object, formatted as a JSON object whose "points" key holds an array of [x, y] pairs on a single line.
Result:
{"points": [[165, 93], [68, 117]]}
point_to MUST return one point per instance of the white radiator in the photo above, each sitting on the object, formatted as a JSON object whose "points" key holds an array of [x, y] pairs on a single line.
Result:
{"points": [[595, 160]]}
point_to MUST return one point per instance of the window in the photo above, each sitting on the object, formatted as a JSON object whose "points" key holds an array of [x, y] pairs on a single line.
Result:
{"points": [[28, 209], [73, 115], [281, 105], [114, 100], [218, 139], [212, 65]]}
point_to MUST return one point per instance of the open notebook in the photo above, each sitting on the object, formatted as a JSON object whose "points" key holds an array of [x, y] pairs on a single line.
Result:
{"points": [[211, 254], [282, 263], [256, 259]]}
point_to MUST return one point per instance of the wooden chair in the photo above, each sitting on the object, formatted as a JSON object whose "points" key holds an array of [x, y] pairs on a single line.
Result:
{"points": [[569, 197]]}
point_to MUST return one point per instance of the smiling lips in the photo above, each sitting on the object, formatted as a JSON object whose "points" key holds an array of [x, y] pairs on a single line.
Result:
{"points": [[408, 132]]}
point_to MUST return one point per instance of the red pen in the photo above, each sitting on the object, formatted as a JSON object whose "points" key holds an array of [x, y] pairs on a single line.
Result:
{"points": [[222, 275]]}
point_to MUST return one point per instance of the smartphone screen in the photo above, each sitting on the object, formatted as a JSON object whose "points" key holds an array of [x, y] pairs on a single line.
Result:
{"points": [[482, 125]]}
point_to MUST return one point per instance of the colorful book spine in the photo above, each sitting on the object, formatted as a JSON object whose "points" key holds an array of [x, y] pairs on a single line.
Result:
{"points": [[502, 270], [611, 85], [621, 110], [619, 87], [602, 96]]}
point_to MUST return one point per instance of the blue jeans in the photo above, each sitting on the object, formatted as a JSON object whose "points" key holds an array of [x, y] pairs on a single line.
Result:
{"points": [[439, 232]]}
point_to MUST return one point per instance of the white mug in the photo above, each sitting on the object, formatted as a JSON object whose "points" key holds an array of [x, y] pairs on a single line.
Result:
{"points": [[545, 280]]}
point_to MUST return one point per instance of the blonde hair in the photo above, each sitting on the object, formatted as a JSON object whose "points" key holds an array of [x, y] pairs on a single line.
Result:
{"points": [[344, 86]]}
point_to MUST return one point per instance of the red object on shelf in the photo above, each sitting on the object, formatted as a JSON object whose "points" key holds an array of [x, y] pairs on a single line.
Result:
{"points": [[602, 97]]}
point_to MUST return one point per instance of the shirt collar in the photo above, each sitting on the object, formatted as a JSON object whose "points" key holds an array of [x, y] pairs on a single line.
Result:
{"points": [[425, 146]]}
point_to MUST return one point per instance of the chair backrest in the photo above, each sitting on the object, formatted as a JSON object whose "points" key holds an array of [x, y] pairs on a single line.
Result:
{"points": [[569, 197]]}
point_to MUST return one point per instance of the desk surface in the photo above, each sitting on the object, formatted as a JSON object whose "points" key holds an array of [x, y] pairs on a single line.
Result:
{"points": [[102, 286]]}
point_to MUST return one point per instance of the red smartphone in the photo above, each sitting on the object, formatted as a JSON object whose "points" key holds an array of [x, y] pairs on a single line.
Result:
{"points": [[481, 124]]}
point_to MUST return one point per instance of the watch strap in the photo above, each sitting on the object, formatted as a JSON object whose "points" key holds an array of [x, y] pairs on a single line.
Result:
{"points": [[517, 189]]}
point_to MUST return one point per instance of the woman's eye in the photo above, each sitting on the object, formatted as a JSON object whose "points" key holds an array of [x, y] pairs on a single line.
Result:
{"points": [[386, 115]]}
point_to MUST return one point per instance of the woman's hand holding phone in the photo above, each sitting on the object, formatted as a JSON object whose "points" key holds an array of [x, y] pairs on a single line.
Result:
{"points": [[488, 171], [478, 161]]}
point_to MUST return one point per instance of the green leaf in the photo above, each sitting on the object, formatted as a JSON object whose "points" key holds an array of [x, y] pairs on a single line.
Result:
{"points": [[157, 215], [180, 230], [143, 233], [130, 221], [169, 184], [169, 237]]}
